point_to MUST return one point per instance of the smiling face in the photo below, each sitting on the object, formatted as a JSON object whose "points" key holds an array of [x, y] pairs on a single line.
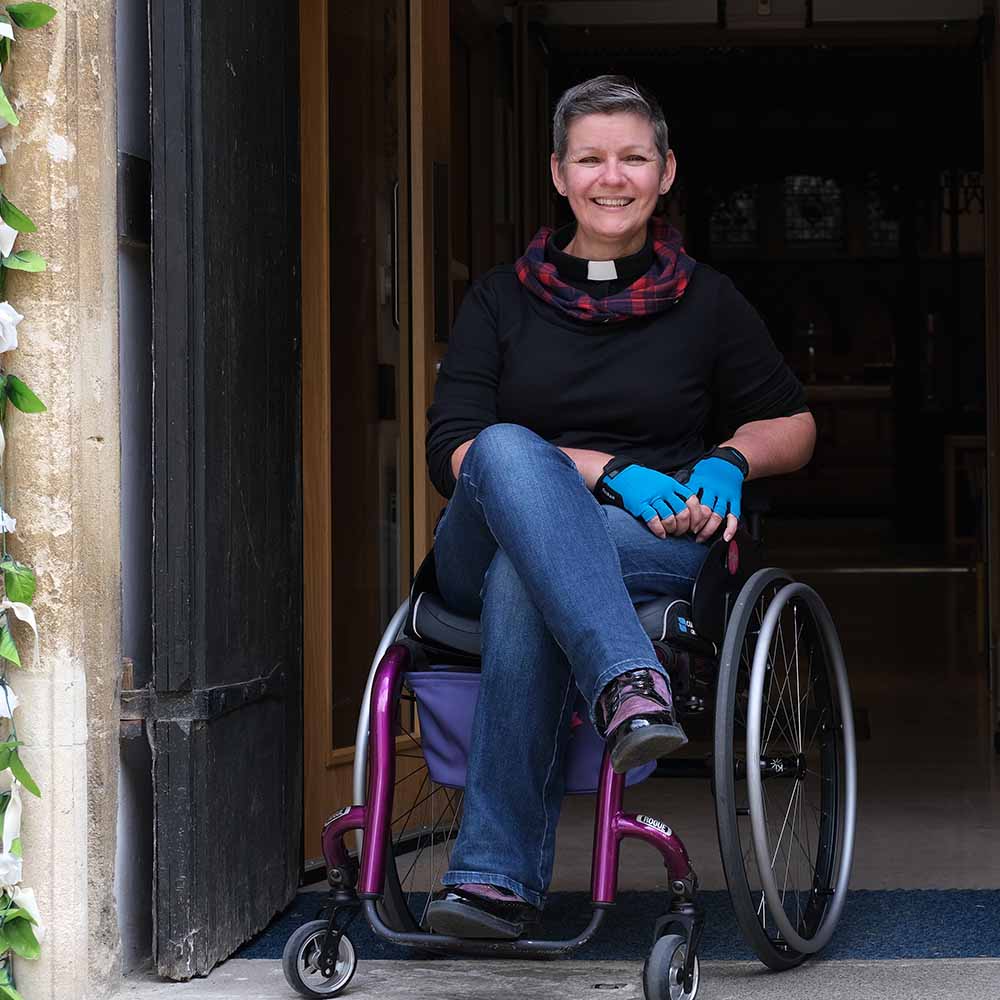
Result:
{"points": [[612, 176]]}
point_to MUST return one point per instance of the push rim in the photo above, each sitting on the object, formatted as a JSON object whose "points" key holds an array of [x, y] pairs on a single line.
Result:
{"points": [[426, 820], [799, 715]]}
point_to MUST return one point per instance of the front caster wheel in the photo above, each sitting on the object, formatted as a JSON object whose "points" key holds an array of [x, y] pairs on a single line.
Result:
{"points": [[663, 973], [300, 962]]}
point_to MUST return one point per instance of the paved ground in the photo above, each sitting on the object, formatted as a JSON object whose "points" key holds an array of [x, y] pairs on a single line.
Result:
{"points": [[937, 979]]}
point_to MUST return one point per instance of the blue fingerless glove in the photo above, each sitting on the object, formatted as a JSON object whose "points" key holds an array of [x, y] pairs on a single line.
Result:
{"points": [[718, 480], [644, 493]]}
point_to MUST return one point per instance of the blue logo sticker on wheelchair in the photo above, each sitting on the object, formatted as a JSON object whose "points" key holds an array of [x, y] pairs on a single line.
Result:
{"points": [[687, 626], [655, 824]]}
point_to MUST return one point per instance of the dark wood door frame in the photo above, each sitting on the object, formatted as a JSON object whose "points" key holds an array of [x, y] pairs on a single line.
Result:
{"points": [[991, 150]]}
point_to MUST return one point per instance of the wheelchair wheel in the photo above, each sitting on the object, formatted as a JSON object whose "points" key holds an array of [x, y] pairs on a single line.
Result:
{"points": [[663, 970], [300, 962], [786, 822], [426, 820]]}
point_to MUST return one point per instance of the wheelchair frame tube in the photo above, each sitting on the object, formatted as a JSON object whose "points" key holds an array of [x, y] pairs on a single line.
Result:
{"points": [[611, 826], [381, 770], [389, 636]]}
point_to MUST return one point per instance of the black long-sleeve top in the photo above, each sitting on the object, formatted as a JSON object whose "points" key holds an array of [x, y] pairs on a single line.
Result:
{"points": [[659, 389]]}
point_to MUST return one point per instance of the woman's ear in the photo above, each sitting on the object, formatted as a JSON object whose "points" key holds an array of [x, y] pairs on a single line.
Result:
{"points": [[557, 178], [669, 172]]}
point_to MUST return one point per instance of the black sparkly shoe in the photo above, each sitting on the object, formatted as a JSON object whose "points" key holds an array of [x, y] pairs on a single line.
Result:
{"points": [[457, 912], [635, 715]]}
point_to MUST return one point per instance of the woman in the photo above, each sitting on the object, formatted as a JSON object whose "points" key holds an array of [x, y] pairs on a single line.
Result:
{"points": [[574, 382]]}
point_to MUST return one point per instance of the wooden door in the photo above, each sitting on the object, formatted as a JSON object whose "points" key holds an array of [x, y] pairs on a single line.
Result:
{"points": [[431, 273], [225, 709], [356, 356], [532, 116]]}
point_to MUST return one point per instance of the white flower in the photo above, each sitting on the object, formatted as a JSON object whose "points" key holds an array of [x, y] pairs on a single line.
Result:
{"points": [[9, 318], [7, 236], [7, 523], [25, 898], [12, 818], [10, 869], [21, 611], [3, 159], [8, 702], [6, 30]]}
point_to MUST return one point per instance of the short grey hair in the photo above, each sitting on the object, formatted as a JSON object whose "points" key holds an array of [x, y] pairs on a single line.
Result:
{"points": [[607, 95]]}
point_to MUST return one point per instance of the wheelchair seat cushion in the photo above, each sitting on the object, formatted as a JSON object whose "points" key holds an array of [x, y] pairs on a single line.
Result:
{"points": [[436, 625]]}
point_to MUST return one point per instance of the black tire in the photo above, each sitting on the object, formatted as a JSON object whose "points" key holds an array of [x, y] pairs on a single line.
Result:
{"points": [[421, 838], [298, 961], [663, 970], [806, 757], [735, 840]]}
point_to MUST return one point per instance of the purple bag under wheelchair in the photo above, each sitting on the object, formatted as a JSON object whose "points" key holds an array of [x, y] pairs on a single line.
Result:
{"points": [[446, 701]]}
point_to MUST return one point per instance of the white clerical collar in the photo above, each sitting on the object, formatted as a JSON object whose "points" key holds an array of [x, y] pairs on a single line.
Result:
{"points": [[601, 270]]}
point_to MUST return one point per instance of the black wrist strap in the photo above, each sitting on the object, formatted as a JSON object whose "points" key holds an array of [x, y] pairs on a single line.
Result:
{"points": [[616, 464], [602, 488], [732, 455]]}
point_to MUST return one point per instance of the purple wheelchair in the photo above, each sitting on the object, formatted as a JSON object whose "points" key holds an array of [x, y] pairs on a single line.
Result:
{"points": [[757, 673]]}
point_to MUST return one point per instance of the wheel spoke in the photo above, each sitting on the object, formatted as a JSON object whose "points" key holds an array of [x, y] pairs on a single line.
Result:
{"points": [[409, 812], [798, 685]]}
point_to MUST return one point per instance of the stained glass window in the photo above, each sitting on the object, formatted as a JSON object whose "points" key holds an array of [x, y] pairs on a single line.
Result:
{"points": [[814, 210], [964, 188]]}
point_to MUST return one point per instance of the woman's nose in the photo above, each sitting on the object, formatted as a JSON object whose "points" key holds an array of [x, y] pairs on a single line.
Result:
{"points": [[613, 173]]}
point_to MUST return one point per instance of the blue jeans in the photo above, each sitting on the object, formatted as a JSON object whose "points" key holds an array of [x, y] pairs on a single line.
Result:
{"points": [[553, 575]]}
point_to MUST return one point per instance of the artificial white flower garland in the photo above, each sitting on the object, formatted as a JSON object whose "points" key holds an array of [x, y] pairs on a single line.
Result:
{"points": [[21, 928]]}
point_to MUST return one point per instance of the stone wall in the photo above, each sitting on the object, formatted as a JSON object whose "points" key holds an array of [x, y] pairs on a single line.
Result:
{"points": [[63, 479]]}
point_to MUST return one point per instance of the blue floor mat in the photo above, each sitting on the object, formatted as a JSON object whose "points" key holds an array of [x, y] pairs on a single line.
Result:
{"points": [[877, 924]]}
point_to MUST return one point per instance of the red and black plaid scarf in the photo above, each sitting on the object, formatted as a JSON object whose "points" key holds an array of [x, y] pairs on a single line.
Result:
{"points": [[660, 287]]}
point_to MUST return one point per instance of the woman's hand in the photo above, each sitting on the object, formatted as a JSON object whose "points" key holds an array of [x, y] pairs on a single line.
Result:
{"points": [[653, 497], [717, 482], [705, 522]]}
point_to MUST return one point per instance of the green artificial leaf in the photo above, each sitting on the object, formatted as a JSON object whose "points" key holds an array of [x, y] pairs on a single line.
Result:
{"points": [[6, 111], [22, 397], [9, 993], [15, 847], [31, 15], [5, 945], [7, 749], [8, 648], [4, 51], [23, 260], [3, 384], [14, 217], [18, 581], [16, 913], [21, 938], [20, 772], [4, 802]]}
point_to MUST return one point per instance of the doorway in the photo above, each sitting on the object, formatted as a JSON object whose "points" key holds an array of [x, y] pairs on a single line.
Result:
{"points": [[837, 172]]}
